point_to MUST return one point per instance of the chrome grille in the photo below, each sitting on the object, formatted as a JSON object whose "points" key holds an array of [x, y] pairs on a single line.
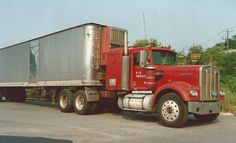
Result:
{"points": [[209, 83]]}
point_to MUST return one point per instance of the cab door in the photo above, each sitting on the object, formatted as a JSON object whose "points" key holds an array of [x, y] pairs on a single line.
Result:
{"points": [[137, 72]]}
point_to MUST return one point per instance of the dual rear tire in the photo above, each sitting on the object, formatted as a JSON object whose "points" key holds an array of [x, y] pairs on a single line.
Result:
{"points": [[69, 102]]}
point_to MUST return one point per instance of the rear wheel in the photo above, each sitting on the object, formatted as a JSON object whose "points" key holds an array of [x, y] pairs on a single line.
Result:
{"points": [[94, 107], [66, 101], [172, 110], [81, 106], [206, 118]]}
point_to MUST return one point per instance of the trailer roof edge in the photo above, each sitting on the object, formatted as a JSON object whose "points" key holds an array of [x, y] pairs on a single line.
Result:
{"points": [[89, 23]]}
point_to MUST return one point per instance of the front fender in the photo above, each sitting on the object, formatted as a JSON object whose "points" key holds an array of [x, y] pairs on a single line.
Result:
{"points": [[182, 88]]}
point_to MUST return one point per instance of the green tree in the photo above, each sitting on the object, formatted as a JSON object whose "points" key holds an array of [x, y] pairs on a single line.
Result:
{"points": [[147, 42], [194, 50], [232, 42], [214, 55], [217, 56], [180, 57]]}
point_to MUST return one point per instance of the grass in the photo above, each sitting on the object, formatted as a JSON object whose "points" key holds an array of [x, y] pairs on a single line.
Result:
{"points": [[230, 100]]}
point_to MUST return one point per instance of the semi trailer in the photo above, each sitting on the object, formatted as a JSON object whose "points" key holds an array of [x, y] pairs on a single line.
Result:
{"points": [[91, 64]]}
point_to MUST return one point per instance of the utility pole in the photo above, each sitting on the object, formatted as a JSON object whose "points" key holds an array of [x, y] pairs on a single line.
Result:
{"points": [[227, 41]]}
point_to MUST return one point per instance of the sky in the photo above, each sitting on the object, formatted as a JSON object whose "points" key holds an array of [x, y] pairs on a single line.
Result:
{"points": [[179, 23]]}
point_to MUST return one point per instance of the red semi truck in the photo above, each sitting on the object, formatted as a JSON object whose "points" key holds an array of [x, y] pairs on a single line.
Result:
{"points": [[91, 64]]}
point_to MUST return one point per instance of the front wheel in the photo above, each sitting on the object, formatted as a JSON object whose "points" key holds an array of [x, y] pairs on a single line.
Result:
{"points": [[206, 118], [172, 110]]}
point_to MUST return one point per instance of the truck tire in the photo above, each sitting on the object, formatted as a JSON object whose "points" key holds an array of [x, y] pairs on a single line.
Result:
{"points": [[94, 108], [206, 118], [65, 101], [81, 106], [172, 111], [113, 106], [15, 94]]}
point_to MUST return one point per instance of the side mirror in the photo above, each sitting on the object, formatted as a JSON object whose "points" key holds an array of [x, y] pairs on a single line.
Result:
{"points": [[143, 58]]}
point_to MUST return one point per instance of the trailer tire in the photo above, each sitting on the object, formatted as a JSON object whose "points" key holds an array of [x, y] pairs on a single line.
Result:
{"points": [[206, 118], [15, 94], [172, 111], [65, 101], [81, 106]]}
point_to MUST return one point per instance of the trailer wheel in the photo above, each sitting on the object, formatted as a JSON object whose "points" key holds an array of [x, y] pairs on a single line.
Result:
{"points": [[81, 106], [172, 110], [66, 101], [15, 94], [206, 118]]}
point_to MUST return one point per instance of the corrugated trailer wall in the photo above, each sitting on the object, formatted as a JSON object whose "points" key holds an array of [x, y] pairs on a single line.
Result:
{"points": [[61, 56], [14, 63], [64, 58]]}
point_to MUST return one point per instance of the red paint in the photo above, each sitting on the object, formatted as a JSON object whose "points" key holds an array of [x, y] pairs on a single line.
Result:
{"points": [[113, 69], [150, 79], [181, 79], [105, 45]]}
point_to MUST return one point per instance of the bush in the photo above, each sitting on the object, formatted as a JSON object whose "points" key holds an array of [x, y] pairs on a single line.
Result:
{"points": [[230, 99]]}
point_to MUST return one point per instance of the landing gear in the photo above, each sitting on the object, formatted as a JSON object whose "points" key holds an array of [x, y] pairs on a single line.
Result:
{"points": [[172, 110]]}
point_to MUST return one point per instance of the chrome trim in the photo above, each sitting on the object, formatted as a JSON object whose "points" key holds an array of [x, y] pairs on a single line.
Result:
{"points": [[203, 108], [211, 73], [125, 73], [53, 83]]}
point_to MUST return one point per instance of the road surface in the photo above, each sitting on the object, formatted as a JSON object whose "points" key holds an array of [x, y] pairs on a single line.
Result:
{"points": [[41, 122]]}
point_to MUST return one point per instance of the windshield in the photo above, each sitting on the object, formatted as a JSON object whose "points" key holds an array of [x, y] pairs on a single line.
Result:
{"points": [[163, 58]]}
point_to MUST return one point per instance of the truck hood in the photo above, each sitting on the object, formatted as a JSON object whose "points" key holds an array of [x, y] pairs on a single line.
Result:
{"points": [[189, 74]]}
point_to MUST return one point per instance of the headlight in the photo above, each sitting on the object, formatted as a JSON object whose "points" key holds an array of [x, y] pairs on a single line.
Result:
{"points": [[194, 92], [222, 93]]}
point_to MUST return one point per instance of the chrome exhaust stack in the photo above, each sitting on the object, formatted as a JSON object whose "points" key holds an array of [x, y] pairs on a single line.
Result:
{"points": [[125, 64]]}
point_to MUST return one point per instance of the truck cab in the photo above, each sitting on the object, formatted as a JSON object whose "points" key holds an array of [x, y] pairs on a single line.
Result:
{"points": [[158, 85]]}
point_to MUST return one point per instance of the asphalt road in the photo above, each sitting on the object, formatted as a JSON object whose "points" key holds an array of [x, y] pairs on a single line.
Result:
{"points": [[41, 122]]}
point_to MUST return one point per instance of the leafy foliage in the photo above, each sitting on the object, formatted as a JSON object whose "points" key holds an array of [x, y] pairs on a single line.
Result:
{"points": [[194, 49], [145, 42], [232, 42], [225, 61]]}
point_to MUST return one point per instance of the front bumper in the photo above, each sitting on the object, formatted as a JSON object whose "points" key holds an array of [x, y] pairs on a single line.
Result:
{"points": [[203, 108]]}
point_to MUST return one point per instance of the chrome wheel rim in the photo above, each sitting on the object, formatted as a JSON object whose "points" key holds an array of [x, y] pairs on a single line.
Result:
{"points": [[79, 102], [64, 101], [170, 110]]}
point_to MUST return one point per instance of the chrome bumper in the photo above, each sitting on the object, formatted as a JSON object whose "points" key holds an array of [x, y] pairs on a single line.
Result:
{"points": [[202, 108]]}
